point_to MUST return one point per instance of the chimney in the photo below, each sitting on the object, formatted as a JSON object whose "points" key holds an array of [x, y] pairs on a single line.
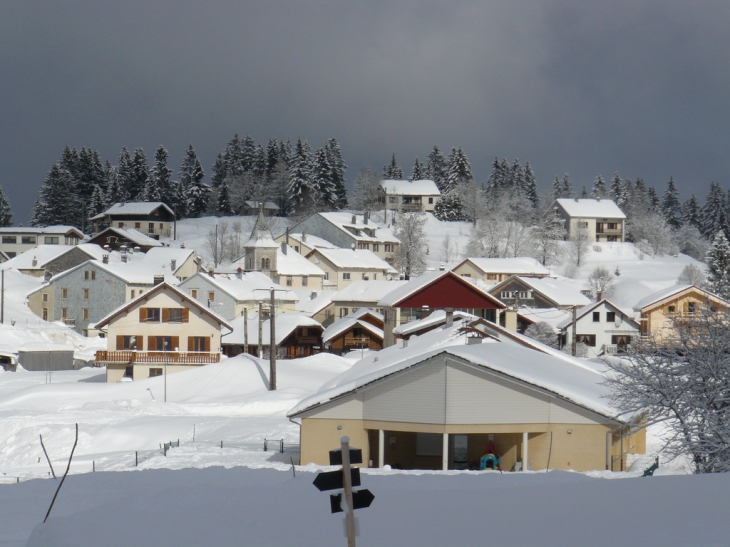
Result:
{"points": [[107, 247], [599, 296], [182, 245], [304, 237], [35, 261], [283, 247], [366, 217], [510, 319], [211, 272], [576, 199], [138, 249], [173, 265], [287, 235], [313, 295], [105, 258], [124, 258], [449, 317], [156, 280], [239, 273]]}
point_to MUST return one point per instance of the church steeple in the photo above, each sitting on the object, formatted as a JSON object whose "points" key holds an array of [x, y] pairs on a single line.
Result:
{"points": [[261, 249]]}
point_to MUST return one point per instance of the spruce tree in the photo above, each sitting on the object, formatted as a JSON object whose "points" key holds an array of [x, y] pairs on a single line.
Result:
{"points": [[531, 186], [459, 169], [54, 203], [140, 174], [556, 189], [494, 182], [6, 215], [248, 151], [162, 176], [150, 191], [234, 158], [449, 208], [584, 194], [566, 187], [191, 184], [272, 157], [259, 162], [337, 173], [224, 201], [97, 203], [219, 171], [652, 199], [517, 179], [115, 192], [418, 172], [126, 177], [617, 191], [436, 168], [692, 213], [321, 183], [714, 212], [718, 266], [671, 207], [300, 193], [285, 153], [599, 188], [391, 171]]}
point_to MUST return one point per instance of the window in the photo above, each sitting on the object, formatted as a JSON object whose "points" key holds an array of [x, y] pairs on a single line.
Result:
{"points": [[132, 293], [45, 297], [64, 294], [161, 343], [596, 317], [610, 316], [155, 372], [429, 444], [343, 312], [161, 225], [691, 307], [388, 247], [587, 339], [305, 280], [326, 276], [10, 239], [89, 275], [620, 339], [198, 343], [211, 296], [64, 313], [671, 309], [375, 277], [175, 315], [28, 240], [265, 263], [582, 224], [392, 199], [506, 295], [493, 277], [85, 294], [612, 225], [130, 342], [149, 315], [430, 201], [194, 293], [120, 224], [45, 314], [288, 281], [137, 225], [296, 248], [346, 276], [376, 248], [151, 228], [362, 245], [85, 313], [327, 314], [50, 240]]}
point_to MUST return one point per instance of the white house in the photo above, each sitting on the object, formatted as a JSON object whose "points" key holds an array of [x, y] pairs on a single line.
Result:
{"points": [[603, 327], [344, 266], [14, 241], [494, 270], [155, 219], [601, 219], [416, 196]]}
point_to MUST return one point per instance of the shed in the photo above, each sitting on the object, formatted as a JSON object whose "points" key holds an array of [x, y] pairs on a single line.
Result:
{"points": [[49, 357]]}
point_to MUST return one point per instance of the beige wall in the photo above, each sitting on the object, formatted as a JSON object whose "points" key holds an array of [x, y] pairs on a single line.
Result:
{"points": [[187, 269], [657, 320], [336, 279], [324, 435], [36, 304], [470, 270], [572, 226], [314, 282], [163, 229]]}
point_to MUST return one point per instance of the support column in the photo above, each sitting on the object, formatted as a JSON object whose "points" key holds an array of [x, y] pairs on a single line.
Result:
{"points": [[445, 455], [525, 453], [381, 448]]}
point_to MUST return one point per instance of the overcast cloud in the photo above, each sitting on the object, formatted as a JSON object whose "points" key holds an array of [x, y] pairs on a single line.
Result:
{"points": [[639, 87]]}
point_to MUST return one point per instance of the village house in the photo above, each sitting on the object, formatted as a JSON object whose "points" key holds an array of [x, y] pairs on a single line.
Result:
{"points": [[316, 304], [361, 329], [230, 294], [49, 260], [602, 327], [406, 196], [161, 331], [600, 219], [363, 294], [495, 270], [251, 208], [17, 240], [178, 262], [344, 266], [292, 270], [417, 407], [658, 311], [532, 292], [296, 335], [434, 320], [304, 243], [153, 219], [124, 239], [351, 231]]}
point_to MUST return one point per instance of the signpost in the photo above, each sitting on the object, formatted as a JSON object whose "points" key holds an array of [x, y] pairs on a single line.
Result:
{"points": [[345, 478]]}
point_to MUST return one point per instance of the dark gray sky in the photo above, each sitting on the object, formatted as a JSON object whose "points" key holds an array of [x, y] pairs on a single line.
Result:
{"points": [[586, 87]]}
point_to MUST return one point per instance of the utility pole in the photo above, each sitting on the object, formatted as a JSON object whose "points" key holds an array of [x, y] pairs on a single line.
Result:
{"points": [[261, 328], [245, 330], [272, 342], [574, 342], [174, 223], [2, 298]]}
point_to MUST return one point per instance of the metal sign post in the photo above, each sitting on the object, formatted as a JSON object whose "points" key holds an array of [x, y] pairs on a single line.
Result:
{"points": [[349, 510]]}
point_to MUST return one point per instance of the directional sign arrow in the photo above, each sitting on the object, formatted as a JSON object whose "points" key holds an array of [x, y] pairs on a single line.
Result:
{"points": [[336, 456], [332, 480], [360, 500]]}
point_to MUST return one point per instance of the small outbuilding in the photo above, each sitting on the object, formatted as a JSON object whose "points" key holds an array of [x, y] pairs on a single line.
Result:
{"points": [[46, 357]]}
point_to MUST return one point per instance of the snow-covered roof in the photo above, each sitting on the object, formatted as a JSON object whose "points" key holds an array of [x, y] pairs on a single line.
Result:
{"points": [[522, 265], [309, 240], [312, 302], [367, 291], [132, 208], [268, 205], [137, 270], [245, 288], [661, 295], [43, 254], [354, 259], [585, 310], [552, 316], [358, 230], [362, 312], [157, 288], [135, 236], [559, 291], [568, 378], [54, 230], [423, 187], [435, 318], [591, 208], [286, 323], [416, 284], [292, 263], [44, 346], [163, 256], [346, 323]]}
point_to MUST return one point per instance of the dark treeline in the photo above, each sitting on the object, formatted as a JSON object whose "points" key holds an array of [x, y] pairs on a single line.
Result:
{"points": [[298, 179]]}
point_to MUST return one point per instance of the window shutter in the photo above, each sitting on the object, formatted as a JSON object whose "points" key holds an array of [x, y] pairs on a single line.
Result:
{"points": [[152, 343], [191, 343], [185, 315], [120, 342], [140, 342], [165, 315], [206, 344], [143, 315], [175, 343]]}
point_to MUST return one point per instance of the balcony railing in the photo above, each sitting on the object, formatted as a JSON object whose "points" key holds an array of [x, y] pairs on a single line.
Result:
{"points": [[158, 357]]}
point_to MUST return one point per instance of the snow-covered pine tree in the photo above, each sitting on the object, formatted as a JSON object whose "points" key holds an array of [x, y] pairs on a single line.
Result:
{"points": [[671, 207], [321, 183], [459, 169], [449, 208], [224, 201], [234, 158], [150, 191], [300, 193], [259, 162], [506, 182], [692, 212], [714, 212], [272, 157], [556, 189], [391, 171], [70, 161], [162, 176], [97, 203], [197, 196], [599, 189], [718, 266], [436, 168], [494, 182], [140, 174], [126, 178], [285, 153], [248, 150], [337, 173], [55, 201], [517, 178], [114, 191], [418, 172], [566, 187], [652, 199], [547, 236], [219, 171], [531, 186], [584, 194], [617, 191], [6, 215], [191, 187]]}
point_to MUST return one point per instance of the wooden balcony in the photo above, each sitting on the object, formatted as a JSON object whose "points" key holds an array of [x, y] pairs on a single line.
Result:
{"points": [[157, 357]]}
